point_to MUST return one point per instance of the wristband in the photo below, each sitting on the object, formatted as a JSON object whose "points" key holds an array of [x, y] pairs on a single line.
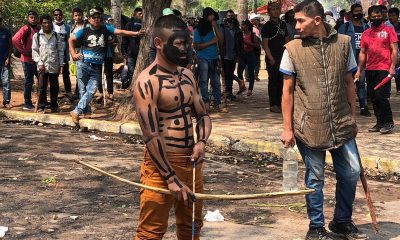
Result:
{"points": [[172, 173]]}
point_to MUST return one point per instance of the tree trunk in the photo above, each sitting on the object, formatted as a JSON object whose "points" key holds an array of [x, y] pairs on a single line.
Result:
{"points": [[116, 15], [152, 9], [184, 7], [242, 13]]}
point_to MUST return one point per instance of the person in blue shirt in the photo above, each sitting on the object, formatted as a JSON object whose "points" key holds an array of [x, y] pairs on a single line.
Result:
{"points": [[354, 29], [92, 42], [5, 53], [206, 38]]}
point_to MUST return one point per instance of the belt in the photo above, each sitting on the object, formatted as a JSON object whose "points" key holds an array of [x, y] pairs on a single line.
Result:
{"points": [[94, 65]]}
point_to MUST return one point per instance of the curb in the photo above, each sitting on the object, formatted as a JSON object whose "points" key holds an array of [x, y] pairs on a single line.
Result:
{"points": [[375, 165]]}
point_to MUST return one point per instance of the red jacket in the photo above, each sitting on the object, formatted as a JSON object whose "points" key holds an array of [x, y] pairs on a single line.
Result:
{"points": [[24, 47]]}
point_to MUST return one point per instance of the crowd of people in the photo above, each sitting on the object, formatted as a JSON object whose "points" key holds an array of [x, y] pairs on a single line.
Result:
{"points": [[316, 67]]}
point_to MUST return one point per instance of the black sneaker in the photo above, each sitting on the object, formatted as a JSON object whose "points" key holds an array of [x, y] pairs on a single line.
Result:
{"points": [[28, 107], [387, 128], [365, 112], [347, 230], [317, 234], [376, 128]]}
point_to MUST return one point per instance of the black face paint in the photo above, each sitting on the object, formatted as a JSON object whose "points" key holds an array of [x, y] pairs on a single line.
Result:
{"points": [[173, 53]]}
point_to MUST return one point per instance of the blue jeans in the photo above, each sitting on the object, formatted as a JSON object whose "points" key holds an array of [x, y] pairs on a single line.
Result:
{"points": [[5, 82], [131, 68], [208, 70], [347, 168], [88, 75], [248, 59], [30, 71]]}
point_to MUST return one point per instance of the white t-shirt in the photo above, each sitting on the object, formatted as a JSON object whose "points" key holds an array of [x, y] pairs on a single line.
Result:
{"points": [[287, 67]]}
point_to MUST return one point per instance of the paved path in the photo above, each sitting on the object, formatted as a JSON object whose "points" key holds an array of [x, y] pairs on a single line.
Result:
{"points": [[249, 125]]}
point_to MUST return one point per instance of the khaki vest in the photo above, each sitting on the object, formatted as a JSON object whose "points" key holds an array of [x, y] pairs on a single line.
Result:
{"points": [[322, 114]]}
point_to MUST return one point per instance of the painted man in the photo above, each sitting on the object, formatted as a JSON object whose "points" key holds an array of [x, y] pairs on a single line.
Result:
{"points": [[167, 97]]}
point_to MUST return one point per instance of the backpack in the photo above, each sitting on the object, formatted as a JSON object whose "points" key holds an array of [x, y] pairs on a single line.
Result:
{"points": [[16, 53]]}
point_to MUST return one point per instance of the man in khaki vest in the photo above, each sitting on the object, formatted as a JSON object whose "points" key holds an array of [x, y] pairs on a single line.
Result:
{"points": [[318, 106]]}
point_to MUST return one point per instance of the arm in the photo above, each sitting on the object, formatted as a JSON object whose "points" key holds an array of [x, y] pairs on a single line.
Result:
{"points": [[128, 33], [147, 112], [351, 96], [10, 49], [18, 41], [268, 51], [36, 51], [198, 45], [203, 124], [393, 55], [218, 33], [362, 57], [287, 136], [75, 56]]}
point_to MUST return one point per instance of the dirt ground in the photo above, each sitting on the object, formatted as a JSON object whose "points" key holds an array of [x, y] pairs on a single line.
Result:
{"points": [[45, 195]]}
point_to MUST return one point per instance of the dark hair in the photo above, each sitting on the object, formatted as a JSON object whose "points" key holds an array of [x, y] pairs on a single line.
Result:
{"points": [[177, 12], [374, 9], [57, 10], [230, 11], [287, 14], [248, 24], [342, 12], [310, 8], [138, 9], [77, 10], [45, 17], [383, 7], [168, 22], [270, 3], [354, 6], [394, 10], [32, 12], [100, 9]]}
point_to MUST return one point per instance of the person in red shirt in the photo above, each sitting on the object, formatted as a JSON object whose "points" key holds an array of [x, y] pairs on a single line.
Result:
{"points": [[379, 56]]}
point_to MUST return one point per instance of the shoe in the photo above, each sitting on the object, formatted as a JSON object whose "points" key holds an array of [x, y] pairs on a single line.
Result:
{"points": [[40, 110], [110, 97], [249, 93], [347, 230], [55, 110], [28, 107], [376, 128], [275, 109], [98, 98], [75, 117], [231, 97], [69, 95], [365, 112], [242, 87], [387, 128], [317, 234], [7, 105], [218, 108]]}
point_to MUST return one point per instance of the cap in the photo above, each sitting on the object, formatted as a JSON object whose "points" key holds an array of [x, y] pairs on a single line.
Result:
{"points": [[254, 16], [94, 11], [167, 11], [110, 18]]}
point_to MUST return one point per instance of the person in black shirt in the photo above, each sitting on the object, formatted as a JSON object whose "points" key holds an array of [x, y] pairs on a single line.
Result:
{"points": [[130, 45], [274, 36]]}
